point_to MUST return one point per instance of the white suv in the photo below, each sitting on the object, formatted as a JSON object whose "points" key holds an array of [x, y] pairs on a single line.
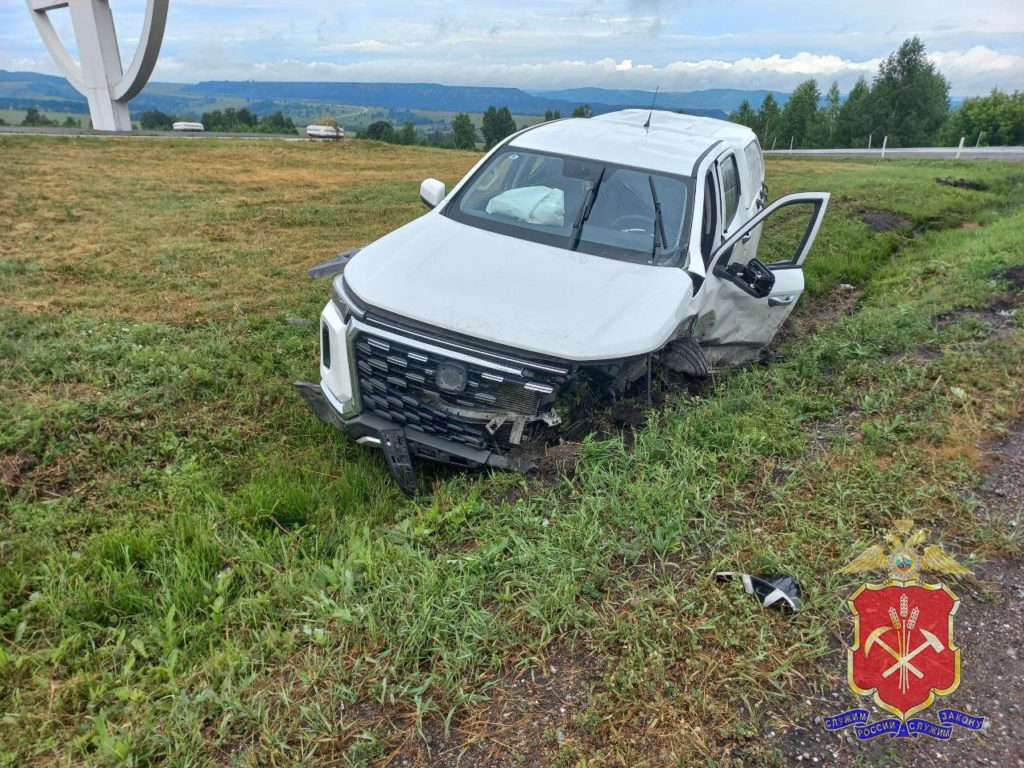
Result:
{"points": [[577, 253]]}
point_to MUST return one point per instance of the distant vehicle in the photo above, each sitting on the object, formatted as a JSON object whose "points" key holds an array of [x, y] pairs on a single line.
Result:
{"points": [[574, 258], [188, 127], [325, 132]]}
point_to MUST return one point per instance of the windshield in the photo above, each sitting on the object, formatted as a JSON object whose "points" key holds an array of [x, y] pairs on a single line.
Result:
{"points": [[577, 204]]}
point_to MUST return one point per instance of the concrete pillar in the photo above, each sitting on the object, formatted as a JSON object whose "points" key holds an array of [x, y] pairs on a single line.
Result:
{"points": [[101, 63]]}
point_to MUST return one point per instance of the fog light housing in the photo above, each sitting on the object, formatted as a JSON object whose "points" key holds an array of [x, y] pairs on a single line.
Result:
{"points": [[325, 345]]}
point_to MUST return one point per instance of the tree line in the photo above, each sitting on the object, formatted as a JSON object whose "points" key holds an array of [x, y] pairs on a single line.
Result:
{"points": [[496, 123], [907, 101], [229, 120], [36, 119]]}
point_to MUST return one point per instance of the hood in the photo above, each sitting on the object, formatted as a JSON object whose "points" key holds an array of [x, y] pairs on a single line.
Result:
{"points": [[520, 294]]}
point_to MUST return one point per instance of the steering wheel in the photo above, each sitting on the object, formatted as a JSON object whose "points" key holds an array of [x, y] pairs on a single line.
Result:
{"points": [[633, 221]]}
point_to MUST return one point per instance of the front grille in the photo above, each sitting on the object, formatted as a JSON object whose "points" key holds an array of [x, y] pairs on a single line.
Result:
{"points": [[398, 382]]}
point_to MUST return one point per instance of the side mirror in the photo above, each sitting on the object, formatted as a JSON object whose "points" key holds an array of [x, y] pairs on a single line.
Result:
{"points": [[432, 192], [754, 278]]}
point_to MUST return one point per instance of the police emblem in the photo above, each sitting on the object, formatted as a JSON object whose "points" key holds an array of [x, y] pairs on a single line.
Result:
{"points": [[903, 651]]}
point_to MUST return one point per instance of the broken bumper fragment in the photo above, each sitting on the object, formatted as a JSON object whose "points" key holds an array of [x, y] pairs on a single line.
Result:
{"points": [[366, 429]]}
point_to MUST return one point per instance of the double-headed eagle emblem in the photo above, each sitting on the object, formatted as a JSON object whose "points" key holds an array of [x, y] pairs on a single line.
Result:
{"points": [[904, 558]]}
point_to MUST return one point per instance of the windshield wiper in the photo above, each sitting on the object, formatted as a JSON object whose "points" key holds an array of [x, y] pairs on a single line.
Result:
{"points": [[584, 214], [659, 224]]}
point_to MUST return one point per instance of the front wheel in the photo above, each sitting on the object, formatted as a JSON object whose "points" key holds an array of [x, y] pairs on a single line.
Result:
{"points": [[686, 356]]}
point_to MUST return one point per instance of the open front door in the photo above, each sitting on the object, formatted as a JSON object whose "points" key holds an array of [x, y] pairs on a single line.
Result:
{"points": [[747, 296]]}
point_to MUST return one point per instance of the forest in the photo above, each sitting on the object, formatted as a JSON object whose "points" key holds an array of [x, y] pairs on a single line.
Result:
{"points": [[907, 101]]}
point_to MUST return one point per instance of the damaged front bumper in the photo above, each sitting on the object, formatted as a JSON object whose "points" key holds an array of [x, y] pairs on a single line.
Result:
{"points": [[367, 428], [418, 392]]}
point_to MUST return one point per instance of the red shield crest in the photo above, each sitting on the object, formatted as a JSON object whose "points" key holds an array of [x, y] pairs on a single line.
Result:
{"points": [[903, 650]]}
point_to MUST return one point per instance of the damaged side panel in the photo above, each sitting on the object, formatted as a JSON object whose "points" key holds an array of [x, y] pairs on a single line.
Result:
{"points": [[737, 327]]}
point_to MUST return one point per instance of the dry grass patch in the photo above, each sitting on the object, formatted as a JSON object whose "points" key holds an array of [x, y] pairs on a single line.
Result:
{"points": [[145, 229]]}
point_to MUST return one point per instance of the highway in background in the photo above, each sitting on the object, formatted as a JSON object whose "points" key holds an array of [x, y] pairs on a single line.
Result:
{"points": [[48, 131]]}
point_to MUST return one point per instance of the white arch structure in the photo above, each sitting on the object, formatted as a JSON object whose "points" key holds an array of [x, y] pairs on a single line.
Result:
{"points": [[99, 77]]}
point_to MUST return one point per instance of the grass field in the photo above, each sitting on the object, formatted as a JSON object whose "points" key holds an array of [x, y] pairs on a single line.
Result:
{"points": [[194, 571]]}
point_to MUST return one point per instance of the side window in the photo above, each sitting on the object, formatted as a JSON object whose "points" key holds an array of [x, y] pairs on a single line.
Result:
{"points": [[709, 219], [730, 173], [755, 162]]}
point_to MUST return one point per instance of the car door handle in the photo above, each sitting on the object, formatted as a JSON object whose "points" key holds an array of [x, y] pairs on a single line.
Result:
{"points": [[746, 237], [780, 301]]}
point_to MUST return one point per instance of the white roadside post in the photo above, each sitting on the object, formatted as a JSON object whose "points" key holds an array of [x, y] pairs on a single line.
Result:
{"points": [[100, 78], [961, 147], [885, 143]]}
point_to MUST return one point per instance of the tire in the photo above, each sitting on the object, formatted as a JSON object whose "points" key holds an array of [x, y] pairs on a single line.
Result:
{"points": [[686, 356]]}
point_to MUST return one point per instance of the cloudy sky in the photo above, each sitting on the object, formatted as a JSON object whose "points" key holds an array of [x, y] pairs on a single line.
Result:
{"points": [[675, 44]]}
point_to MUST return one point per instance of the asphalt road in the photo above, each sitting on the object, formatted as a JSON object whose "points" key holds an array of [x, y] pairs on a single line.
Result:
{"points": [[47, 131]]}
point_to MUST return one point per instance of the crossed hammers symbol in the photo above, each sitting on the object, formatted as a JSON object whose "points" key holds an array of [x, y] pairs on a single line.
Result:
{"points": [[930, 641]]}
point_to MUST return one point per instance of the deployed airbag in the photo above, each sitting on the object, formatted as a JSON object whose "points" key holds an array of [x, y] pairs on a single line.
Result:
{"points": [[533, 205]]}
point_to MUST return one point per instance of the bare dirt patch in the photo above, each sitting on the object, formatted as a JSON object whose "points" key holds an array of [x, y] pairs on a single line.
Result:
{"points": [[1001, 319], [14, 469], [1003, 490], [882, 221], [1001, 312], [976, 186], [558, 461], [814, 317], [1014, 276]]}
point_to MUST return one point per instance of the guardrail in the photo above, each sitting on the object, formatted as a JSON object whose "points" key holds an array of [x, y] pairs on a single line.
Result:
{"points": [[918, 153]]}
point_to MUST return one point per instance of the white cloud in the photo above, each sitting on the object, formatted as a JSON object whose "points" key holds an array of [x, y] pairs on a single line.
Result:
{"points": [[770, 72], [674, 44], [978, 59], [972, 71], [979, 69]]}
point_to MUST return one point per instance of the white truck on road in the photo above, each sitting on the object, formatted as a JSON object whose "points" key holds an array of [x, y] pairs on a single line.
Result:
{"points": [[325, 132]]}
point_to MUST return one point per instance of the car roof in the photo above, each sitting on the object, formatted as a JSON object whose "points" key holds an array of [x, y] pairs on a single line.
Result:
{"points": [[673, 143]]}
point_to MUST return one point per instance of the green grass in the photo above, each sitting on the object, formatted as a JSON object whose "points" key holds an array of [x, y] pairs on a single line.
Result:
{"points": [[194, 571]]}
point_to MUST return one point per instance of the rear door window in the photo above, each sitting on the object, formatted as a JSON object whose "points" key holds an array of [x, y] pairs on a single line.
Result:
{"points": [[754, 161], [730, 174]]}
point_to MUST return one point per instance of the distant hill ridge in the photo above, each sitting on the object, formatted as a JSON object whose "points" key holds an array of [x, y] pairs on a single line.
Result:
{"points": [[720, 99], [431, 96], [22, 89]]}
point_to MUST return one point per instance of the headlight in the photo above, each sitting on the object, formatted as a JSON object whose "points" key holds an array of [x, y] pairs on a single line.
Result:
{"points": [[343, 300]]}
